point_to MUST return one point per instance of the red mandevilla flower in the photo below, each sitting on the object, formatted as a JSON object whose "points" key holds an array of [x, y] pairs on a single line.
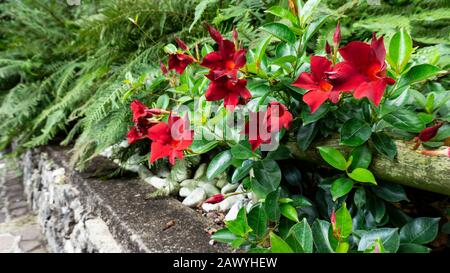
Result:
{"points": [[170, 139], [216, 198], [179, 62], [141, 116], [231, 91], [369, 61], [326, 82], [428, 133], [262, 124], [224, 65]]}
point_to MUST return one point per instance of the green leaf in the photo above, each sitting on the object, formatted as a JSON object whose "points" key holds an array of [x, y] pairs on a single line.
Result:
{"points": [[300, 201], [421, 230], [199, 9], [362, 175], [224, 235], [281, 31], [307, 11], [289, 212], [341, 187], [242, 150], [242, 171], [333, 157], [309, 117], [355, 132], [311, 29], [202, 146], [267, 175], [283, 13], [257, 220], [389, 238], [419, 73], [320, 230], [219, 164], [163, 101], [400, 49], [272, 207], [413, 248], [384, 145], [390, 192], [300, 237], [343, 222], [239, 226], [360, 198], [170, 49], [362, 157], [306, 134], [278, 245], [405, 120], [281, 153]]}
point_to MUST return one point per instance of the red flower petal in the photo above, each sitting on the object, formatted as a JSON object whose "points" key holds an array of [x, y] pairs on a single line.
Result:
{"points": [[213, 60], [337, 34], [216, 198], [215, 34], [315, 99], [320, 65], [216, 91], [160, 132], [357, 54], [373, 90], [139, 110], [306, 81], [159, 150], [134, 135]]}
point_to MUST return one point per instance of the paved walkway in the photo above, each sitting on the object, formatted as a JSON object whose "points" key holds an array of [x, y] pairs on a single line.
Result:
{"points": [[19, 231]]}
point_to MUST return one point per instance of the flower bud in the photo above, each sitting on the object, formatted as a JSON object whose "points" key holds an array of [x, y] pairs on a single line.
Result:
{"points": [[428, 133], [163, 68], [181, 44], [337, 35], [216, 198], [328, 48]]}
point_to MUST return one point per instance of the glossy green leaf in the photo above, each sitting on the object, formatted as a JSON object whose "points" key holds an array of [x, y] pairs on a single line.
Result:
{"points": [[390, 192], [389, 238], [278, 245], [219, 164], [355, 132], [272, 207], [257, 220], [384, 145], [341, 187], [224, 235], [239, 226], [362, 175], [413, 248], [421, 230], [400, 50], [242, 171], [362, 157], [267, 174], [333, 157], [300, 237], [343, 222], [320, 230], [419, 73], [283, 13], [405, 120], [242, 150], [306, 134], [281, 31], [289, 212], [309, 117]]}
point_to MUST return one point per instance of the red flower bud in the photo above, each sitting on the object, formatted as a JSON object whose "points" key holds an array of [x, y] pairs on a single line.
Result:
{"points": [[216, 198], [215, 34], [327, 48], [428, 133], [163, 68], [333, 218], [181, 44], [337, 35], [235, 37]]}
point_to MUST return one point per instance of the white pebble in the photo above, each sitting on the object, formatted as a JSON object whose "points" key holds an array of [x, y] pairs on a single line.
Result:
{"points": [[195, 197], [229, 188]]}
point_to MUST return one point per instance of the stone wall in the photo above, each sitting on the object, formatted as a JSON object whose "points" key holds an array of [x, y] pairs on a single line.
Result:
{"points": [[81, 213], [66, 223]]}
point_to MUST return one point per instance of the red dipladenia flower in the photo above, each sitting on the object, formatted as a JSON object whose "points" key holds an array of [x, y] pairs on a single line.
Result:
{"points": [[326, 82], [141, 116], [262, 124], [227, 60], [179, 62], [231, 91], [369, 61], [224, 65], [170, 139]]}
